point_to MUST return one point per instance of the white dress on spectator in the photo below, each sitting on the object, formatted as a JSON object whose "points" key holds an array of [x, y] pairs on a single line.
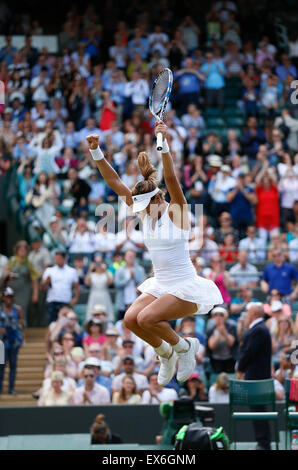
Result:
{"points": [[217, 396], [99, 294], [174, 272]]}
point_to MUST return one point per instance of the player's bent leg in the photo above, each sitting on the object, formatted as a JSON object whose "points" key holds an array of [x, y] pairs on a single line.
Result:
{"points": [[131, 315], [155, 318]]}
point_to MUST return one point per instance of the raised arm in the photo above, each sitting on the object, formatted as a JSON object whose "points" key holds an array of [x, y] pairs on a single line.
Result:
{"points": [[108, 173], [172, 183]]}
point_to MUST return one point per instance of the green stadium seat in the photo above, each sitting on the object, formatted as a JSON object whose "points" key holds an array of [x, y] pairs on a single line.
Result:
{"points": [[235, 121], [213, 112], [215, 122], [80, 310]]}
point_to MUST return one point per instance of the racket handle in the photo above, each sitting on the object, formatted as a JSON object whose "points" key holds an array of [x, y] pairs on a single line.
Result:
{"points": [[159, 142]]}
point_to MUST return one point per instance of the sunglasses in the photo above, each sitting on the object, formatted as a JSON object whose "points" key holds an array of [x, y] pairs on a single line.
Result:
{"points": [[89, 375], [97, 351], [61, 353]]}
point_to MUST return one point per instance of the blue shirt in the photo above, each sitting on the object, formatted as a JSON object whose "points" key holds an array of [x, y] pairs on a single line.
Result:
{"points": [[281, 277], [188, 83], [215, 78], [91, 49], [282, 72], [240, 207]]}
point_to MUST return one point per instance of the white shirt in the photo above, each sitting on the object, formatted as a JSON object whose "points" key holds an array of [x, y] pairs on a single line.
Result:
{"points": [[167, 394], [217, 396], [138, 90], [81, 243], [62, 280], [293, 250], [105, 241], [135, 235], [254, 247], [255, 322], [140, 380]]}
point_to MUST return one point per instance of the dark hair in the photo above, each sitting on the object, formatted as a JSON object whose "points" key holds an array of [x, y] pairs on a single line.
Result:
{"points": [[148, 171], [99, 428]]}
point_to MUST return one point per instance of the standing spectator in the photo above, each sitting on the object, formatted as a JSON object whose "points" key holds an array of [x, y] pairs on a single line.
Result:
{"points": [[79, 188], [228, 250], [293, 246], [214, 72], [189, 84], [20, 275], [267, 207], [127, 278], [91, 393], [137, 90], [11, 325], [279, 275], [255, 363], [218, 188], [128, 393], [222, 341], [253, 245], [243, 273], [3, 263], [251, 138], [59, 280], [190, 34], [99, 279], [285, 68], [241, 198], [81, 240]]}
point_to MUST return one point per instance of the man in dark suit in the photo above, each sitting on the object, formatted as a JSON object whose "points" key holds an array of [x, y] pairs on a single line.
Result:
{"points": [[255, 362]]}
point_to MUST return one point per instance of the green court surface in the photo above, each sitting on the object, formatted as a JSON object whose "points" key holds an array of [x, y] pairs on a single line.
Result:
{"points": [[82, 442]]}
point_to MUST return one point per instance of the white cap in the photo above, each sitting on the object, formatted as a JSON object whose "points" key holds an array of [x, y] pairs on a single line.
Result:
{"points": [[226, 168], [214, 160], [92, 361], [221, 310], [276, 305], [141, 201]]}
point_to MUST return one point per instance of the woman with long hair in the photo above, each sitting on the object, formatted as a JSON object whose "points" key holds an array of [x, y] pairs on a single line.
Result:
{"points": [[128, 393], [175, 291]]}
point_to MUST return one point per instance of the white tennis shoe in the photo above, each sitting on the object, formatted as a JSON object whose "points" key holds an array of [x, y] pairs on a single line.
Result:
{"points": [[187, 360], [167, 368]]}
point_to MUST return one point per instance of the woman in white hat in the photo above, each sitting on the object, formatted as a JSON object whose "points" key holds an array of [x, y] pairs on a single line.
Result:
{"points": [[175, 290]]}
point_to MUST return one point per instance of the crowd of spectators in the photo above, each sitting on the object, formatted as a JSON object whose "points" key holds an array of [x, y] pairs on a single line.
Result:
{"points": [[233, 134]]}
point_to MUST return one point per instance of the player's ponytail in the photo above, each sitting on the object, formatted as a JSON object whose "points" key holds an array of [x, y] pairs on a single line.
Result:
{"points": [[146, 168]]}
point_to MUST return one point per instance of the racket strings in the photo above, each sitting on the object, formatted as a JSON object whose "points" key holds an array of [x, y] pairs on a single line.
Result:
{"points": [[159, 93]]}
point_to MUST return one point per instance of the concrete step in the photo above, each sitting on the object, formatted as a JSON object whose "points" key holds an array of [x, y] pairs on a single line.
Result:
{"points": [[21, 399]]}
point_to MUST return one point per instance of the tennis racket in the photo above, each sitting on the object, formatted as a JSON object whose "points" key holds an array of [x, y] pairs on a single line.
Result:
{"points": [[159, 97]]}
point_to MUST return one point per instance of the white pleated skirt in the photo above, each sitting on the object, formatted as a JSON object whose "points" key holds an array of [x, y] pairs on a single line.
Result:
{"points": [[198, 290]]}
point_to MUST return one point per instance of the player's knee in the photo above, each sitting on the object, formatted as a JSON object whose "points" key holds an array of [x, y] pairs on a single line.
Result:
{"points": [[144, 320], [130, 318]]}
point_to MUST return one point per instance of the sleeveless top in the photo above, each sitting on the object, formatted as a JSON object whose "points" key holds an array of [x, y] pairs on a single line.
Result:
{"points": [[168, 248]]}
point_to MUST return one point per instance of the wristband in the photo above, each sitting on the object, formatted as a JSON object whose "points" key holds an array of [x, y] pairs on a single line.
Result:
{"points": [[165, 147], [97, 154]]}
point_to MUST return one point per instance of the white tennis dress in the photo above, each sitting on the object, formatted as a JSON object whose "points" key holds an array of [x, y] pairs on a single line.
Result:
{"points": [[174, 272]]}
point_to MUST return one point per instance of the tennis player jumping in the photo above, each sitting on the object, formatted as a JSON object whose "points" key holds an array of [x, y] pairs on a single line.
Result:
{"points": [[176, 290]]}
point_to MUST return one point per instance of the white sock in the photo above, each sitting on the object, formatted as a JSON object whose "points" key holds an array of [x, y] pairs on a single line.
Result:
{"points": [[181, 346], [164, 350]]}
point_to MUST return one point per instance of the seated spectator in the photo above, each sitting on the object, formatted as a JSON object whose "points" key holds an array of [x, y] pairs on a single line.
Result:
{"points": [[127, 350], [99, 279], [195, 388], [128, 392], [225, 227], [155, 394], [195, 323], [274, 296], [128, 367], [276, 312], [222, 341], [129, 238], [287, 368], [253, 245], [219, 391], [90, 393], [101, 434], [228, 250], [293, 246], [94, 328], [193, 119], [68, 383], [55, 395], [279, 275], [238, 304], [102, 374], [221, 277], [110, 348], [243, 273], [282, 337], [251, 139], [277, 243], [67, 364], [56, 236]]}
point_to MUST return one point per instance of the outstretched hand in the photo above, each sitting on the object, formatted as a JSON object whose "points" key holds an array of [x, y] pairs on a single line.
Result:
{"points": [[93, 141], [162, 128]]}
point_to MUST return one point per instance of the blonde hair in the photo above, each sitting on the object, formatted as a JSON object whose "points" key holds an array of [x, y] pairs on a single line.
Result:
{"points": [[222, 381], [148, 171]]}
